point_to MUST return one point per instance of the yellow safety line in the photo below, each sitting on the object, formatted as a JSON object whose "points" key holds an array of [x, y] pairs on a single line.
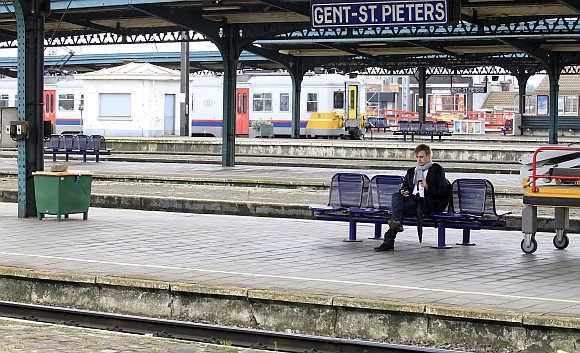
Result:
{"points": [[381, 285]]}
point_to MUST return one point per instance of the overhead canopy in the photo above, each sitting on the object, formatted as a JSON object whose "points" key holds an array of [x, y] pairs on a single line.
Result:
{"points": [[512, 34]]}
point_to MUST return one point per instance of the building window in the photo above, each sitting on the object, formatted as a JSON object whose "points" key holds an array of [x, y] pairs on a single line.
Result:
{"points": [[568, 105], [338, 99], [115, 106], [312, 102], [437, 103], [66, 102], [4, 100], [542, 104], [262, 102], [531, 105], [284, 102]]}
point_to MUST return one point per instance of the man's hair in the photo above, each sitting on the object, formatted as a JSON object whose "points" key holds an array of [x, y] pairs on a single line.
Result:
{"points": [[423, 147]]}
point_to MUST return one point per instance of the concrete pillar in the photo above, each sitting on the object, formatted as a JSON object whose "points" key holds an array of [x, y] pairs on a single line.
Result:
{"points": [[30, 16], [184, 90]]}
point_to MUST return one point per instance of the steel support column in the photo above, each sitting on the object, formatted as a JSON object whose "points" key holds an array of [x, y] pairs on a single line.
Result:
{"points": [[184, 90], [297, 72], [522, 83], [422, 80], [30, 16], [554, 72], [230, 50]]}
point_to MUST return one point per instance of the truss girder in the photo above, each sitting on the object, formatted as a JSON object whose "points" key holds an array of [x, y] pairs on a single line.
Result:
{"points": [[530, 28], [113, 38]]}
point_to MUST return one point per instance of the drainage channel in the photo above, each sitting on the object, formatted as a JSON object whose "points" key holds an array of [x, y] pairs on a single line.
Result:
{"points": [[240, 337]]}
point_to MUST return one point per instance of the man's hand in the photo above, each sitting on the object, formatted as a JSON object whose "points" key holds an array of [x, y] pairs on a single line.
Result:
{"points": [[405, 193], [424, 184]]}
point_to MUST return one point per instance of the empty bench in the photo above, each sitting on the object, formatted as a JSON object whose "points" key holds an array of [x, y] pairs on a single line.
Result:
{"points": [[425, 128], [354, 198], [76, 145]]}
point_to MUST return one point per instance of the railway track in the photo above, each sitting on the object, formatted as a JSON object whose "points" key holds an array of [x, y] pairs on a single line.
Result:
{"points": [[240, 337]]}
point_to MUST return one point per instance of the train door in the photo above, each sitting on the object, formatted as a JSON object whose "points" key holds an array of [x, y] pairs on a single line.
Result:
{"points": [[49, 97], [242, 111], [352, 105], [352, 121]]}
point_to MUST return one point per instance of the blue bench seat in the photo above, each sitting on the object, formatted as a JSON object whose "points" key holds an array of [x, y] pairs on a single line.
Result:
{"points": [[95, 145], [471, 207]]}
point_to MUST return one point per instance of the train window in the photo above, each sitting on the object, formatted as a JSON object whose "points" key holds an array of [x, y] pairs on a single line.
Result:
{"points": [[242, 103], [4, 100], [115, 106], [262, 102], [284, 102], [82, 102], [312, 102], [66, 102], [338, 100]]}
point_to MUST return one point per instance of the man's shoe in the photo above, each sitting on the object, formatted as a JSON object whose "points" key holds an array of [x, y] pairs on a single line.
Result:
{"points": [[395, 226], [387, 245]]}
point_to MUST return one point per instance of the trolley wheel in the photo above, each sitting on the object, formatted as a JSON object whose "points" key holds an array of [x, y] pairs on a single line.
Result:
{"points": [[529, 248], [562, 244]]}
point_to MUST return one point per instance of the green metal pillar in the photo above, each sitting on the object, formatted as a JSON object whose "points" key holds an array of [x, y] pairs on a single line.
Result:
{"points": [[422, 80], [297, 72], [230, 51], [554, 72], [522, 83], [30, 15]]}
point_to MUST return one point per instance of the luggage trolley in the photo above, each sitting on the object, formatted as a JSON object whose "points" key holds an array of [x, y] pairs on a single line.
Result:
{"points": [[551, 178]]}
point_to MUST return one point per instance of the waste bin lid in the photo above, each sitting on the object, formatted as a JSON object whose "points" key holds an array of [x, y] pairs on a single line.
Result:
{"points": [[65, 173]]}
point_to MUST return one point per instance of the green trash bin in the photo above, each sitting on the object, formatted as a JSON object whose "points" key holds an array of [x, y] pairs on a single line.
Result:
{"points": [[62, 193]]}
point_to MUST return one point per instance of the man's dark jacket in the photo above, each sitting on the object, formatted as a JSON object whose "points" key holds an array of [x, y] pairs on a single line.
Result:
{"points": [[438, 188]]}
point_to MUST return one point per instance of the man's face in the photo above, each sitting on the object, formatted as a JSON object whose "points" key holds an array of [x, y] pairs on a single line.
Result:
{"points": [[422, 158]]}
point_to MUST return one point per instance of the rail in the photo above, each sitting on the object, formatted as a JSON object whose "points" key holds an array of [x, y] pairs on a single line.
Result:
{"points": [[241, 337], [535, 176]]}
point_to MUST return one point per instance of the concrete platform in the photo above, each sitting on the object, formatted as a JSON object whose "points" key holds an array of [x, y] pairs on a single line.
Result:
{"points": [[297, 275]]}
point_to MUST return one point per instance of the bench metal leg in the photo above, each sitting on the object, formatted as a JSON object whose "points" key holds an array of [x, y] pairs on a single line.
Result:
{"points": [[441, 238], [351, 233], [466, 238], [53, 157], [378, 231], [97, 156]]}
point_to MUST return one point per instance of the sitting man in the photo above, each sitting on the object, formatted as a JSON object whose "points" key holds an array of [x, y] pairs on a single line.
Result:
{"points": [[424, 190]]}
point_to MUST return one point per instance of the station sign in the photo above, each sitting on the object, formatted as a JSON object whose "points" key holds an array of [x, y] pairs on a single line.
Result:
{"points": [[455, 90], [364, 13]]}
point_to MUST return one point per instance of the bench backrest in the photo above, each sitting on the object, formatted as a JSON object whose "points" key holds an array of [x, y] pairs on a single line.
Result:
{"points": [[97, 143], [442, 127], [66, 142], [473, 197], [428, 127], [403, 125], [414, 126], [54, 142], [348, 190], [80, 142], [381, 190]]}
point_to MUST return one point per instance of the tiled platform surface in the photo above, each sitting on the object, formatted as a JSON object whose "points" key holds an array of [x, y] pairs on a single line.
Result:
{"points": [[298, 256]]}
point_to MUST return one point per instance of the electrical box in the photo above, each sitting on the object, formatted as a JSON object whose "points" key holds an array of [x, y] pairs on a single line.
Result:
{"points": [[7, 114], [18, 130]]}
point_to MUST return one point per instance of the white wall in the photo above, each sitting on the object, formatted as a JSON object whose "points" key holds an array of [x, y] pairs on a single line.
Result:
{"points": [[147, 107]]}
